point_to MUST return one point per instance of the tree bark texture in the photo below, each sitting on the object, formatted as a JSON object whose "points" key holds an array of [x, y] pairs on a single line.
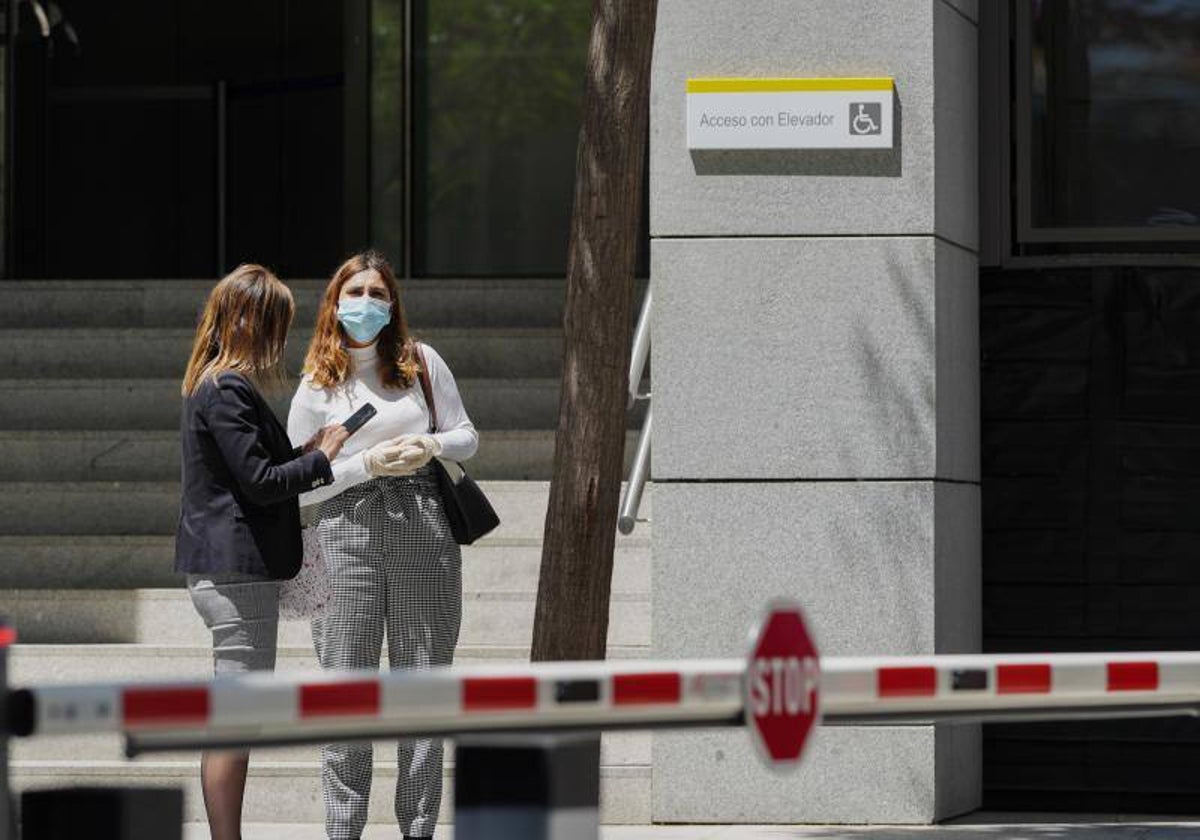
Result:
{"points": [[571, 621]]}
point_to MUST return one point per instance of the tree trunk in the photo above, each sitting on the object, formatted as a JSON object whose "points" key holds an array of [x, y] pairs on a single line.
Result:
{"points": [[571, 621]]}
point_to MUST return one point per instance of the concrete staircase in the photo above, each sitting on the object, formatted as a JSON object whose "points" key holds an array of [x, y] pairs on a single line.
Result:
{"points": [[89, 466]]}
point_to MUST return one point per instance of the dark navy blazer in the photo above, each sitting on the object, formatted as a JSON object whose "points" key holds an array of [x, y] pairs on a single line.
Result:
{"points": [[241, 480]]}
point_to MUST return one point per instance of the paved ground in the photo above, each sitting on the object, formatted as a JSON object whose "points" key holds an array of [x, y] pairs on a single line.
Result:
{"points": [[975, 827]]}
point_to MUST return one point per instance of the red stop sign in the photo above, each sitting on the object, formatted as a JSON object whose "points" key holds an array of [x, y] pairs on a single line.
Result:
{"points": [[782, 685]]}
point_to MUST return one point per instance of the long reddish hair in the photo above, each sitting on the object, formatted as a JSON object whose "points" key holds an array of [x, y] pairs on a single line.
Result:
{"points": [[244, 328], [328, 362]]}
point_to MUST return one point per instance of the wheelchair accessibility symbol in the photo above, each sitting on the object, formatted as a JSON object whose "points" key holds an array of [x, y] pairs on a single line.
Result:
{"points": [[866, 118]]}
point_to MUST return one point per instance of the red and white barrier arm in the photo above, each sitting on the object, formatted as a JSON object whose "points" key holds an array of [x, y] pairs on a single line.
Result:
{"points": [[1009, 687], [273, 708]]}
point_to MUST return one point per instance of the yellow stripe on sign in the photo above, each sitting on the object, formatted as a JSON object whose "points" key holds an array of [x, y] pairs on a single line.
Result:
{"points": [[722, 85]]}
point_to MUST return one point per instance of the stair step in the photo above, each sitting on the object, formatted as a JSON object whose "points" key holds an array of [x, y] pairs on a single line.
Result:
{"points": [[154, 404], [138, 455], [290, 791], [127, 562], [492, 302], [166, 616], [617, 749], [33, 664], [149, 508], [61, 404], [81, 562], [89, 412], [58, 353]]}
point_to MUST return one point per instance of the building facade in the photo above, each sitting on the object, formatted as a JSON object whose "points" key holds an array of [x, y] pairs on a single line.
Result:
{"points": [[946, 394]]}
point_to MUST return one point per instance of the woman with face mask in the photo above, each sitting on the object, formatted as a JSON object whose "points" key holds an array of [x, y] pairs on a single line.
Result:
{"points": [[393, 564]]}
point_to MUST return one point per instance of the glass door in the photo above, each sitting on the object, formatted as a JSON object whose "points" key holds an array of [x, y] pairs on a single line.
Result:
{"points": [[159, 140], [475, 111]]}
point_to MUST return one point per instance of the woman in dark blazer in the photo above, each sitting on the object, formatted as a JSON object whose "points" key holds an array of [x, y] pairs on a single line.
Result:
{"points": [[239, 523]]}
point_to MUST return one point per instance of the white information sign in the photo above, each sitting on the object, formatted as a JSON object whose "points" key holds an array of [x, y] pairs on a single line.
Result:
{"points": [[790, 113]]}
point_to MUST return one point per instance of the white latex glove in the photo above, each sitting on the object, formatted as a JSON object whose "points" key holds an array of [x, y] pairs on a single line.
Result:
{"points": [[426, 443], [415, 451], [381, 459]]}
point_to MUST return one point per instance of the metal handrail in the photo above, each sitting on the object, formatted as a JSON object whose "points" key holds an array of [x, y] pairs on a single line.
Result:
{"points": [[639, 472], [641, 352], [42, 18]]}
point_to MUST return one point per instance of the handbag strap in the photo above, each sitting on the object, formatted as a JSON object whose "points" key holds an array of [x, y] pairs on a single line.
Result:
{"points": [[427, 390], [426, 387]]}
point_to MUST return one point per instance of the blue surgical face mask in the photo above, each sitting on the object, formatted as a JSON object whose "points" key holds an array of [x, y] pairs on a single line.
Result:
{"points": [[362, 318]]}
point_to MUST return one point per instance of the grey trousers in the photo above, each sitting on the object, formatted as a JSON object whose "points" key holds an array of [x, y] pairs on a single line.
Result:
{"points": [[393, 567]]}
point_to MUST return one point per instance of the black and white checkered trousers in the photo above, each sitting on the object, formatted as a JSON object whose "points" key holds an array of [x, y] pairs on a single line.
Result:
{"points": [[393, 564]]}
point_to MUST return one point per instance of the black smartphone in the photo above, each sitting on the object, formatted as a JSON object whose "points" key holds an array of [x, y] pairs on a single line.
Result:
{"points": [[356, 420]]}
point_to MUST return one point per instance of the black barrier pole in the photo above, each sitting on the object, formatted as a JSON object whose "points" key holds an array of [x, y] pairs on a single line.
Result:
{"points": [[8, 817], [527, 787]]}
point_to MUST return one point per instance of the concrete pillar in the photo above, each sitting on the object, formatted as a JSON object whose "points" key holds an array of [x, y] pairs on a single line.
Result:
{"points": [[815, 358]]}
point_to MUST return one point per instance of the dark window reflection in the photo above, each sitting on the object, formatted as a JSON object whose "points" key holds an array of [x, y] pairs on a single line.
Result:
{"points": [[234, 131], [160, 140], [1116, 113], [387, 128], [498, 88]]}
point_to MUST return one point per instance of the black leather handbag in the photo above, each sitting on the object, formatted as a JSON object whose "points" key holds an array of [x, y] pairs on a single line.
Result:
{"points": [[469, 512]]}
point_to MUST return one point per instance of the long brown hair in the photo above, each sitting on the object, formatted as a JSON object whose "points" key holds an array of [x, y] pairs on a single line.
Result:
{"points": [[328, 362], [244, 328]]}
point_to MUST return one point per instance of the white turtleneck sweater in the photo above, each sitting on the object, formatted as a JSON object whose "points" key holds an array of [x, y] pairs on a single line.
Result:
{"points": [[400, 411]]}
